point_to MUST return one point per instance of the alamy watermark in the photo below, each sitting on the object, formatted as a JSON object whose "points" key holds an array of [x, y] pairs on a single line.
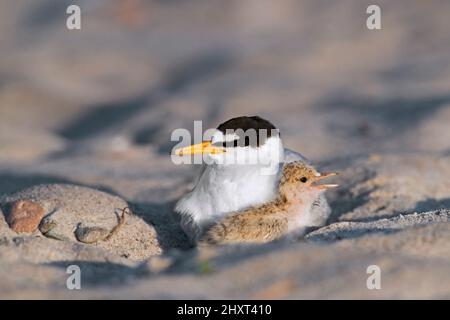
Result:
{"points": [[373, 282], [73, 282], [373, 21], [73, 21], [233, 147]]}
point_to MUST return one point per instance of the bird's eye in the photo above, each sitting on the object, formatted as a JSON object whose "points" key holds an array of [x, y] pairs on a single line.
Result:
{"points": [[303, 179]]}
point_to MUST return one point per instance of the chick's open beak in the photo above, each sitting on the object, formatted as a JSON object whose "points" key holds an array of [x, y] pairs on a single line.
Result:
{"points": [[201, 148], [323, 176]]}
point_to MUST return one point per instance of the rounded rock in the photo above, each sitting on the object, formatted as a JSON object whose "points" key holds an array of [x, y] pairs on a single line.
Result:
{"points": [[91, 234], [82, 214], [25, 216]]}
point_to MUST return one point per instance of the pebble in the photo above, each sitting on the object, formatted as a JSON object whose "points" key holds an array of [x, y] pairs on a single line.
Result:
{"points": [[91, 234], [25, 216], [47, 228]]}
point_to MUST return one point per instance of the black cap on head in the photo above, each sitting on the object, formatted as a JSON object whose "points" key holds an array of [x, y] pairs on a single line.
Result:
{"points": [[247, 123]]}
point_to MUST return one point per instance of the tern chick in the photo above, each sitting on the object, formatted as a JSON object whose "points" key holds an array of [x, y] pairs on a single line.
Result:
{"points": [[288, 213]]}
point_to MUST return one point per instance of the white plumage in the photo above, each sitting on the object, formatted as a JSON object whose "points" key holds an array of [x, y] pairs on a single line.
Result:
{"points": [[224, 186]]}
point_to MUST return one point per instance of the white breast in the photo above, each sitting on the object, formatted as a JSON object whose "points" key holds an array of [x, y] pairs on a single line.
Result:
{"points": [[220, 191]]}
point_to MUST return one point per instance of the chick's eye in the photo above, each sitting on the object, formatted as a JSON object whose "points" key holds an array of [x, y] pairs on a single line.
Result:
{"points": [[304, 179]]}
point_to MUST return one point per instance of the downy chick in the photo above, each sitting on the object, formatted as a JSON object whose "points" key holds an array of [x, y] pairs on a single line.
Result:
{"points": [[288, 213]]}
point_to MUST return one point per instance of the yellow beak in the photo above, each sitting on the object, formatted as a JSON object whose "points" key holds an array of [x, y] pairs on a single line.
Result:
{"points": [[201, 148]]}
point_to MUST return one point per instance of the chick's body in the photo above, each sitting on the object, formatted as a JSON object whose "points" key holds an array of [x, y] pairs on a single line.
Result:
{"points": [[289, 212], [261, 224]]}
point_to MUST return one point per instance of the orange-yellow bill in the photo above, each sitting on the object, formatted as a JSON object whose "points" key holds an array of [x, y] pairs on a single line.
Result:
{"points": [[201, 148]]}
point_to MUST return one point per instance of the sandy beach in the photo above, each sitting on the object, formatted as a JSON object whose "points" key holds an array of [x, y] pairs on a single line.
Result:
{"points": [[86, 118]]}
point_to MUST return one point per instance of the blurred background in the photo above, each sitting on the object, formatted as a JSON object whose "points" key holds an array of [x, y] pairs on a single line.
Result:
{"points": [[96, 107], [100, 103]]}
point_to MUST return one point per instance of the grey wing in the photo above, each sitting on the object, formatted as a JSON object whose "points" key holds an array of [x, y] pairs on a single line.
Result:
{"points": [[291, 156]]}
